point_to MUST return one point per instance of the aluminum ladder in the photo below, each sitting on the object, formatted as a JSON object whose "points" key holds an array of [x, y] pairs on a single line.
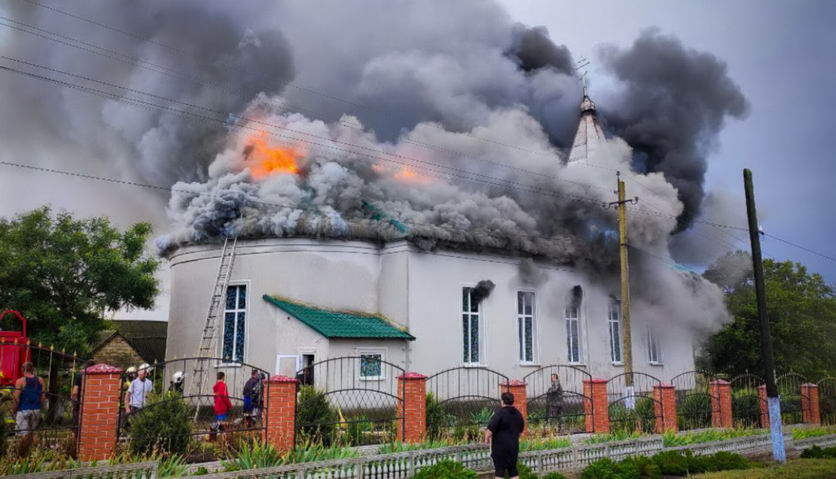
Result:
{"points": [[208, 340]]}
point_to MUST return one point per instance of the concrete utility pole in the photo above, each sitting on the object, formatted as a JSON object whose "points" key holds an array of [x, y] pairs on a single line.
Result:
{"points": [[773, 401], [625, 285]]}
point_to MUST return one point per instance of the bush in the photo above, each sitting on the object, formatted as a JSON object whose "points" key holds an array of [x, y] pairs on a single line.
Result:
{"points": [[524, 472], [640, 467], [554, 475], [316, 418], [602, 469], [445, 470], [4, 434], [817, 452], [251, 455], [672, 463], [728, 461], [642, 418], [747, 408], [695, 411], [161, 427], [675, 463]]}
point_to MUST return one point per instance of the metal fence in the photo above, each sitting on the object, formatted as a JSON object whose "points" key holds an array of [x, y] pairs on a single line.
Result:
{"points": [[827, 400], [695, 402], [747, 405], [462, 401], [556, 400], [353, 400]]}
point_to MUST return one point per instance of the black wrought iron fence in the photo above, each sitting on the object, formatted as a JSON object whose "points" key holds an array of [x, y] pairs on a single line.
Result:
{"points": [[789, 390], [556, 400], [351, 400], [461, 401], [827, 400], [748, 408], [695, 401]]}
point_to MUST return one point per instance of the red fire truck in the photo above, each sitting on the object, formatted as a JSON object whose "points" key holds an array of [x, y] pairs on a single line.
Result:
{"points": [[13, 350]]}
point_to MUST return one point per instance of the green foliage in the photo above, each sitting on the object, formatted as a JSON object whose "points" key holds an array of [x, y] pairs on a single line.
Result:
{"points": [[746, 408], [63, 274], [640, 467], [312, 452], [817, 452], [694, 411], [437, 418], [677, 463], [445, 470], [253, 454], [4, 434], [802, 314], [172, 466], [316, 418], [672, 439], [554, 475], [621, 435], [544, 444], [164, 426], [805, 432], [603, 469], [405, 446], [642, 418]]}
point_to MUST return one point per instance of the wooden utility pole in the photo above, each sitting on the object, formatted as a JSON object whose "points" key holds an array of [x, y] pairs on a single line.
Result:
{"points": [[625, 281], [773, 401]]}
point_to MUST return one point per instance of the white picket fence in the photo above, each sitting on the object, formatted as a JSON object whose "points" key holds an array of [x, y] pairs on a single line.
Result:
{"points": [[404, 465]]}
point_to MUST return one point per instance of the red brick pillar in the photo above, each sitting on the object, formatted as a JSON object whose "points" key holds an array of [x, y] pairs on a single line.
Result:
{"points": [[763, 406], [281, 412], [721, 404], [99, 423], [665, 408], [810, 412], [518, 389], [412, 389], [597, 408]]}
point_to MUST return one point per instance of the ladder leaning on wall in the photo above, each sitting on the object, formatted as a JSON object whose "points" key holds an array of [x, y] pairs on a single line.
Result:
{"points": [[208, 340]]}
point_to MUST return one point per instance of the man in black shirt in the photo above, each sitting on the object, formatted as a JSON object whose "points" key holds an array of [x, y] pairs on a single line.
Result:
{"points": [[503, 435]]}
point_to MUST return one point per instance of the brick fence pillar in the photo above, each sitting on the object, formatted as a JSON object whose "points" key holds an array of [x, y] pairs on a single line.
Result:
{"points": [[721, 404], [99, 423], [665, 408], [810, 412], [518, 389], [597, 407], [412, 408], [281, 412], [764, 407]]}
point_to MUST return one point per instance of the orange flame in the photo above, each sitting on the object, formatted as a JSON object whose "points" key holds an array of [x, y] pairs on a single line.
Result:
{"points": [[264, 159]]}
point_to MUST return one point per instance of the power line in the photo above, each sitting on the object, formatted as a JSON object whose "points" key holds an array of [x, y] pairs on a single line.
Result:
{"points": [[796, 245]]}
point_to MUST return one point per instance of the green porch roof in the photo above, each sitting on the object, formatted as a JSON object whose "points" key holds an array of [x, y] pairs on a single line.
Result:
{"points": [[337, 324]]}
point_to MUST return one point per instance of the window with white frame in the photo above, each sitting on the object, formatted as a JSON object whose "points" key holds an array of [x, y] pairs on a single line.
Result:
{"points": [[525, 325], [614, 322], [471, 330], [654, 354], [235, 318], [371, 365], [573, 333]]}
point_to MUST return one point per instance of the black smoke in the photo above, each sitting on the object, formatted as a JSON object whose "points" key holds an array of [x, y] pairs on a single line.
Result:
{"points": [[535, 50], [674, 102]]}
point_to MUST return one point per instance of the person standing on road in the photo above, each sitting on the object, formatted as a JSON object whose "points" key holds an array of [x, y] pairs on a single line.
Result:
{"points": [[503, 435], [29, 398]]}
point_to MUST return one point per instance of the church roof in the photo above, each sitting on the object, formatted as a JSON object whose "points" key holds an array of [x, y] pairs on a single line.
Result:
{"points": [[589, 134], [339, 324]]}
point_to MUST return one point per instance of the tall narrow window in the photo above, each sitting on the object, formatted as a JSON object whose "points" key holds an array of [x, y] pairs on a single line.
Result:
{"points": [[614, 322], [573, 329], [525, 325], [654, 354], [235, 316], [471, 335]]}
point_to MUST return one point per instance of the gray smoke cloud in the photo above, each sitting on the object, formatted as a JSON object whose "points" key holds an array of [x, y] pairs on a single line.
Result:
{"points": [[673, 103], [445, 123]]}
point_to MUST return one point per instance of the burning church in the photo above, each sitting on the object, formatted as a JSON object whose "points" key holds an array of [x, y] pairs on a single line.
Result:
{"points": [[351, 271]]}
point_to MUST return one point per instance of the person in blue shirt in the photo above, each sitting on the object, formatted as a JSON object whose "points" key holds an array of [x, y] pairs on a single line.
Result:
{"points": [[29, 399]]}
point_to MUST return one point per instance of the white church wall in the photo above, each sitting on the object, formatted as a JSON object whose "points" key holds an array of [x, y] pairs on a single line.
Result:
{"points": [[393, 283]]}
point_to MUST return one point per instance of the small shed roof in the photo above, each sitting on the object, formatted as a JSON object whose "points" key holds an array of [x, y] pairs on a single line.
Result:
{"points": [[340, 324], [148, 338]]}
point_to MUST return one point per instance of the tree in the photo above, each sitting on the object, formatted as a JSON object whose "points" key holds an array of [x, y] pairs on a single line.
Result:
{"points": [[65, 274], [801, 308]]}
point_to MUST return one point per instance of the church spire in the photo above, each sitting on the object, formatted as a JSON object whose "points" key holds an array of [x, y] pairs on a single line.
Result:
{"points": [[589, 134]]}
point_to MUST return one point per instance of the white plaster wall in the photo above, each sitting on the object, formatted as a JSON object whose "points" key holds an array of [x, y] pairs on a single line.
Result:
{"points": [[411, 287]]}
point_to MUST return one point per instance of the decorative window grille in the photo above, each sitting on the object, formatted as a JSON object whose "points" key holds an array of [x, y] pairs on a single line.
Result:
{"points": [[471, 334], [614, 322], [525, 325], [235, 318]]}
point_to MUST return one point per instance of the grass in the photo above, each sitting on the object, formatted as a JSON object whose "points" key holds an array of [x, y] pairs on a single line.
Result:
{"points": [[816, 431], [796, 469], [671, 439]]}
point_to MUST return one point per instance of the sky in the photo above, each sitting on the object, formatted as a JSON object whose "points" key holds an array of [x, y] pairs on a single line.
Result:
{"points": [[781, 54]]}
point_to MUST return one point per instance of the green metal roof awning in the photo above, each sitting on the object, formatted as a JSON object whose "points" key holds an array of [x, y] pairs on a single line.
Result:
{"points": [[336, 324]]}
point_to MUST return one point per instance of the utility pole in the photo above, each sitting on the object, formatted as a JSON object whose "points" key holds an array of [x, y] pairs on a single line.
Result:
{"points": [[773, 401], [625, 287]]}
